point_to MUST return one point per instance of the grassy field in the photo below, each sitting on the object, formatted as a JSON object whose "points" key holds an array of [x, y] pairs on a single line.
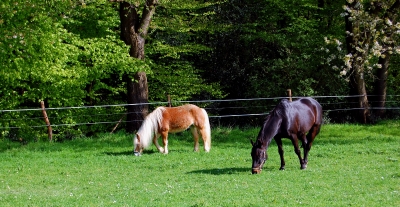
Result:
{"points": [[349, 165]]}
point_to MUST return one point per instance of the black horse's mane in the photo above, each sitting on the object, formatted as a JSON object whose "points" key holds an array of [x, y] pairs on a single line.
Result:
{"points": [[280, 111]]}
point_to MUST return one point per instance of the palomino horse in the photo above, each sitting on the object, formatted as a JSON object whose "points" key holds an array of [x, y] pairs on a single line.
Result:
{"points": [[173, 119], [288, 120]]}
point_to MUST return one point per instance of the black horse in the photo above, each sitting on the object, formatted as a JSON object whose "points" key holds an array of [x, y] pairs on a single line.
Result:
{"points": [[288, 120]]}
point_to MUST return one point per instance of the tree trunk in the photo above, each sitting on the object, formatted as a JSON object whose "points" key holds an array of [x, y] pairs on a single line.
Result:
{"points": [[357, 81], [133, 31], [358, 37], [137, 97], [358, 89], [363, 112], [380, 86]]}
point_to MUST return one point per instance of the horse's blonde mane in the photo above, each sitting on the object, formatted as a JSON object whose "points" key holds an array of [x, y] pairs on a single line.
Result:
{"points": [[149, 127]]}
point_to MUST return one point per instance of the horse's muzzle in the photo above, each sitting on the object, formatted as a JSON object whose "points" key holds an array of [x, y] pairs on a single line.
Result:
{"points": [[256, 171], [136, 153]]}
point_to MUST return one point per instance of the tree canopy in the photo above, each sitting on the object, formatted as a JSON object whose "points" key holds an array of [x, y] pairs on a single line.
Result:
{"points": [[70, 53]]}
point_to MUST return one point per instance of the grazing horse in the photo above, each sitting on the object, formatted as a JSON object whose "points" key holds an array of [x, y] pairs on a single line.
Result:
{"points": [[288, 120], [164, 120]]}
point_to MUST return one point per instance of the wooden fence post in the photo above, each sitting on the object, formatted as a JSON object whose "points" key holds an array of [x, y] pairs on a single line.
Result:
{"points": [[290, 94], [169, 100], [46, 119], [115, 127]]}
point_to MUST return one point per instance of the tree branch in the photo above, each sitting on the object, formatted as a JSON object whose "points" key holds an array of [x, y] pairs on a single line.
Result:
{"points": [[148, 12]]}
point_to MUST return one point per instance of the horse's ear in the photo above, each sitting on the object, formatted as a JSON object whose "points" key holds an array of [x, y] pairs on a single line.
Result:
{"points": [[252, 143]]}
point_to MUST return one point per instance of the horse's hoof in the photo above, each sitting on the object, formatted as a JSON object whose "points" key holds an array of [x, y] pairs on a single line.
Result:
{"points": [[282, 168], [303, 167]]}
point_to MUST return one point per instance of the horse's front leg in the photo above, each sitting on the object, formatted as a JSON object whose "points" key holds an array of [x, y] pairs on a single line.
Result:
{"points": [[295, 143], [155, 141], [280, 150]]}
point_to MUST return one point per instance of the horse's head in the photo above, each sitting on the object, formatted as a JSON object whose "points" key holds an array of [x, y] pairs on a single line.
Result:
{"points": [[259, 156], [137, 147]]}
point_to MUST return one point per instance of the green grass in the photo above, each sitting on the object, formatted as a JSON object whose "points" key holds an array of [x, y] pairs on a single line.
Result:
{"points": [[349, 165]]}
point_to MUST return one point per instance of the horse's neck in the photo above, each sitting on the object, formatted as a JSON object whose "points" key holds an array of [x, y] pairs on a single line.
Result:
{"points": [[150, 127], [270, 129]]}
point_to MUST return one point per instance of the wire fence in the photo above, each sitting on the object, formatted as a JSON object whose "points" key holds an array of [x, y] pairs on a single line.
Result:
{"points": [[234, 109]]}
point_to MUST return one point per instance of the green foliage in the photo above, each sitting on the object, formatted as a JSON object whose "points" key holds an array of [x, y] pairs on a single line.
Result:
{"points": [[69, 56], [65, 53], [348, 165], [394, 77], [180, 80], [273, 46], [69, 53], [174, 44]]}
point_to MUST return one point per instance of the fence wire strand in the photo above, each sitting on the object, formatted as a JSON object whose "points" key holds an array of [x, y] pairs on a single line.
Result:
{"points": [[211, 116]]}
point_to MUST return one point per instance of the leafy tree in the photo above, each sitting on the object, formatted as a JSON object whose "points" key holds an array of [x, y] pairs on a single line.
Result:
{"points": [[263, 48], [171, 61], [176, 45], [371, 38], [134, 29], [64, 53], [271, 45], [70, 53]]}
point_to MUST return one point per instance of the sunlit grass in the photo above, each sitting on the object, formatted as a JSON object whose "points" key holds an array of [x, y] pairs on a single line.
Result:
{"points": [[349, 165]]}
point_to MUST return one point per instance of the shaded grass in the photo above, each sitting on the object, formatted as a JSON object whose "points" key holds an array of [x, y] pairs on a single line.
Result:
{"points": [[349, 165]]}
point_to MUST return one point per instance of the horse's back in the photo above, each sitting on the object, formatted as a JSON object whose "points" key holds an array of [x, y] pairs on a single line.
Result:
{"points": [[303, 114], [314, 117], [179, 113], [181, 117], [187, 110], [315, 107]]}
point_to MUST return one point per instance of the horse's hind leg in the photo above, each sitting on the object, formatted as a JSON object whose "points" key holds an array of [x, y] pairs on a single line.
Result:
{"points": [[304, 140], [310, 138], [164, 136], [206, 139], [195, 134], [295, 143], [280, 150]]}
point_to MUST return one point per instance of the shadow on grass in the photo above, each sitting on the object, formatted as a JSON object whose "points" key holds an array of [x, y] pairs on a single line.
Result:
{"points": [[128, 153], [230, 170], [222, 171]]}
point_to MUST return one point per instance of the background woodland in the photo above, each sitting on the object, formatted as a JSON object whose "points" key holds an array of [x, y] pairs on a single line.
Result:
{"points": [[71, 53]]}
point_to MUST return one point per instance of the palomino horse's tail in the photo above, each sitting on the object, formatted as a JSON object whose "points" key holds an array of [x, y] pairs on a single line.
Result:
{"points": [[207, 129]]}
